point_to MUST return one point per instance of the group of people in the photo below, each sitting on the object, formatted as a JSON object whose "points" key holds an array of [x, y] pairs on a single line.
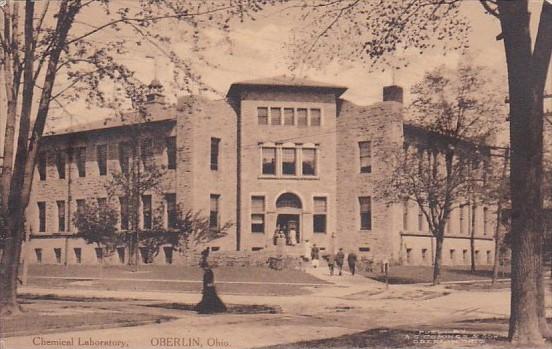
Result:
{"points": [[286, 236], [334, 260], [338, 259]]}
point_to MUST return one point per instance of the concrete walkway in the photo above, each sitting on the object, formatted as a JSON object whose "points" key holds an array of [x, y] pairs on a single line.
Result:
{"points": [[349, 305]]}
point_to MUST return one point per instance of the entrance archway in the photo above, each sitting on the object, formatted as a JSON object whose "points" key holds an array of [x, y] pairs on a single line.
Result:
{"points": [[289, 209]]}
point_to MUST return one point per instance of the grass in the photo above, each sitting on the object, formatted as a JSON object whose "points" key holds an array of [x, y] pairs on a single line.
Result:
{"points": [[32, 322], [402, 338], [163, 286], [231, 308], [403, 274], [174, 272], [161, 279]]}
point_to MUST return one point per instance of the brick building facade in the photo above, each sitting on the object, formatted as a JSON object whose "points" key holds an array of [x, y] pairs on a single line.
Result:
{"points": [[276, 152]]}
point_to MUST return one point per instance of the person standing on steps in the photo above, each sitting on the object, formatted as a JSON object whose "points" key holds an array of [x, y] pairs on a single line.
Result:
{"points": [[339, 258], [307, 254], [351, 260], [315, 256]]}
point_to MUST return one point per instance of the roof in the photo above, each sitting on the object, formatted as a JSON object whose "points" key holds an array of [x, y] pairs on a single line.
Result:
{"points": [[161, 113], [286, 81]]}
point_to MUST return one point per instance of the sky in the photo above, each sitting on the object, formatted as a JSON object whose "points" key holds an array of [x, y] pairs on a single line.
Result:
{"points": [[256, 49]]}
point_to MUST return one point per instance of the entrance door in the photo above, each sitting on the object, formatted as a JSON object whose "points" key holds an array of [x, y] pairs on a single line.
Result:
{"points": [[289, 222]]}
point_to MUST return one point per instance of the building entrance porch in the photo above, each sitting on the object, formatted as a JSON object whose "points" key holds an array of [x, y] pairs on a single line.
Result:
{"points": [[289, 225]]}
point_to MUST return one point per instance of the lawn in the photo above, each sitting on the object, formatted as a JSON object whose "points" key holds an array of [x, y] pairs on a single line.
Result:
{"points": [[175, 272], [404, 338], [229, 280], [404, 274], [49, 315]]}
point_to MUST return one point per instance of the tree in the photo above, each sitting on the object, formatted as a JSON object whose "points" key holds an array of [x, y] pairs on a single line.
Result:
{"points": [[96, 223], [441, 172], [49, 49], [188, 231], [435, 177], [372, 31], [139, 175]]}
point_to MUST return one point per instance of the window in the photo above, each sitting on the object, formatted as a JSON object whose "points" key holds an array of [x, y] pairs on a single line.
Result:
{"points": [[409, 256], [269, 161], [78, 255], [275, 116], [489, 257], [121, 254], [452, 255], [320, 208], [42, 166], [424, 255], [462, 219], [102, 203], [289, 116], [38, 254], [365, 212], [80, 205], [146, 211], [315, 117], [168, 254], [215, 144], [365, 156], [465, 256], [171, 210], [289, 159], [302, 118], [147, 152], [477, 257], [80, 154], [99, 254], [60, 164], [124, 157], [262, 116], [485, 220], [57, 253], [171, 153], [214, 211], [309, 162], [101, 153], [41, 216], [405, 215], [420, 219], [61, 215], [258, 214], [146, 257], [123, 202]]}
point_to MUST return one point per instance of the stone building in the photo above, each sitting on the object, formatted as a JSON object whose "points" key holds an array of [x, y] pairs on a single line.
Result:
{"points": [[276, 152]]}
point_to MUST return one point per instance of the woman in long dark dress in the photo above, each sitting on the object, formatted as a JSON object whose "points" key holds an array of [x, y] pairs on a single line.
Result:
{"points": [[210, 303]]}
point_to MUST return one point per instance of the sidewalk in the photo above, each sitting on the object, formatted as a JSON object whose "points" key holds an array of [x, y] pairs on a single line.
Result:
{"points": [[350, 304]]}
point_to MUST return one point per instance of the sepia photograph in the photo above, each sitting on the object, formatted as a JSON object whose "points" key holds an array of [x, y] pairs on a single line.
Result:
{"points": [[275, 174]]}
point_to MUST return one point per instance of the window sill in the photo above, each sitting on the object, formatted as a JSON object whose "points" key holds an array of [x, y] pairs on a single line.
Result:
{"points": [[313, 178]]}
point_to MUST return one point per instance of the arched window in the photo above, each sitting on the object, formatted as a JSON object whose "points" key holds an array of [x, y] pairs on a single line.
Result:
{"points": [[288, 200]]}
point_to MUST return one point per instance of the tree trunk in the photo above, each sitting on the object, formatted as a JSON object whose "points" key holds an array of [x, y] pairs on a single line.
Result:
{"points": [[438, 257], [24, 171], [541, 304], [526, 168], [472, 236], [8, 281], [497, 254]]}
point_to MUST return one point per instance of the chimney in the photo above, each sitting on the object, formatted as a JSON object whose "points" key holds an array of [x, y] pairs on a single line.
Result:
{"points": [[155, 94], [393, 93]]}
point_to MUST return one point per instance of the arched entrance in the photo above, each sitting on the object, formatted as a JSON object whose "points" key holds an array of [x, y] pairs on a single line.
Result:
{"points": [[289, 209]]}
